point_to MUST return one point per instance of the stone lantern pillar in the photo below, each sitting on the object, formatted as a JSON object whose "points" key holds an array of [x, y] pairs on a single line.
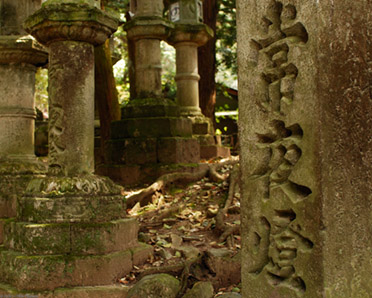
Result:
{"points": [[188, 34], [152, 133], [20, 55], [70, 227]]}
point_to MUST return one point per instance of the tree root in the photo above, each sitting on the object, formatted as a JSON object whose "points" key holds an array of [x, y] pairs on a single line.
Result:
{"points": [[221, 226], [159, 185]]}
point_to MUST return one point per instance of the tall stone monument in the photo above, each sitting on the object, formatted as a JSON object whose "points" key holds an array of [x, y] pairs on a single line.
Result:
{"points": [[20, 55], [70, 228], [305, 74]]}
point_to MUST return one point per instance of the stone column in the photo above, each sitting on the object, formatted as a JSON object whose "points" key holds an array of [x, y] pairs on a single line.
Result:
{"points": [[19, 56], [147, 29], [70, 228], [186, 40], [305, 133]]}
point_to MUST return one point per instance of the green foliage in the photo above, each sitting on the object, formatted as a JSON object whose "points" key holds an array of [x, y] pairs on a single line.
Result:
{"points": [[169, 70], [41, 90], [226, 46]]}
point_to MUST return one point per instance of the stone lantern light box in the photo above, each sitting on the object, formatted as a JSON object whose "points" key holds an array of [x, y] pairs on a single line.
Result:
{"points": [[186, 11]]}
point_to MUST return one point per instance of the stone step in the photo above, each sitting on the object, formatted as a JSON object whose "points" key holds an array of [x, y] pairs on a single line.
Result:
{"points": [[46, 273], [71, 209], [71, 238]]}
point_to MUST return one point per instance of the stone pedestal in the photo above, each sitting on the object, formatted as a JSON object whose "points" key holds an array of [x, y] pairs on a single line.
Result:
{"points": [[152, 132], [70, 228], [305, 131], [19, 56]]}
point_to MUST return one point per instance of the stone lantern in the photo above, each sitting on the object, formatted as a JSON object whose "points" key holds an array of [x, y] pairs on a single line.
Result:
{"points": [[20, 55], [70, 228], [188, 34], [186, 12]]}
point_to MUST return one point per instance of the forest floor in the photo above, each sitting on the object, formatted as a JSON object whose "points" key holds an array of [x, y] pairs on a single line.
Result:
{"points": [[194, 230]]}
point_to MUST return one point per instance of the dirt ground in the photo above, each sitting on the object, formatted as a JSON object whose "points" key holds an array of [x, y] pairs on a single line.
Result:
{"points": [[181, 223]]}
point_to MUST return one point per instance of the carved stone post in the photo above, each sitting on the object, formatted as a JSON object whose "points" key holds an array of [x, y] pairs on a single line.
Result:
{"points": [[20, 54], [71, 228], [305, 133]]}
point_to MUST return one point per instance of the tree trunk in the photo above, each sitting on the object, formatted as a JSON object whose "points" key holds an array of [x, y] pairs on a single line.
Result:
{"points": [[106, 95], [207, 63], [131, 66]]}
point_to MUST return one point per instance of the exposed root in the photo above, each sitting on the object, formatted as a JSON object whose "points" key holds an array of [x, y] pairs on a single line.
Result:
{"points": [[158, 186]]}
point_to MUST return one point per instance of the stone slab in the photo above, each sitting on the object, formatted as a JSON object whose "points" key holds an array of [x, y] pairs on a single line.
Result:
{"points": [[151, 127], [42, 273], [211, 151], [178, 150], [112, 291], [71, 209], [75, 239]]}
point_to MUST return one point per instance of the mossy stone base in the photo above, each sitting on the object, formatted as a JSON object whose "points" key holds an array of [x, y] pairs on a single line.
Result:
{"points": [[11, 187], [132, 151], [150, 107], [141, 151], [41, 273], [151, 127], [114, 291], [71, 209], [178, 150], [75, 239]]}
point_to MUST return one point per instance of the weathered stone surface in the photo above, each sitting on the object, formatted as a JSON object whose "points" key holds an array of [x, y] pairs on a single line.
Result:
{"points": [[81, 292], [210, 151], [200, 290], [150, 107], [13, 13], [141, 253], [151, 127], [132, 151], [41, 273], [225, 265], [305, 131], [178, 150], [147, 29], [84, 21], [21, 49], [71, 209], [155, 286], [75, 239]]}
